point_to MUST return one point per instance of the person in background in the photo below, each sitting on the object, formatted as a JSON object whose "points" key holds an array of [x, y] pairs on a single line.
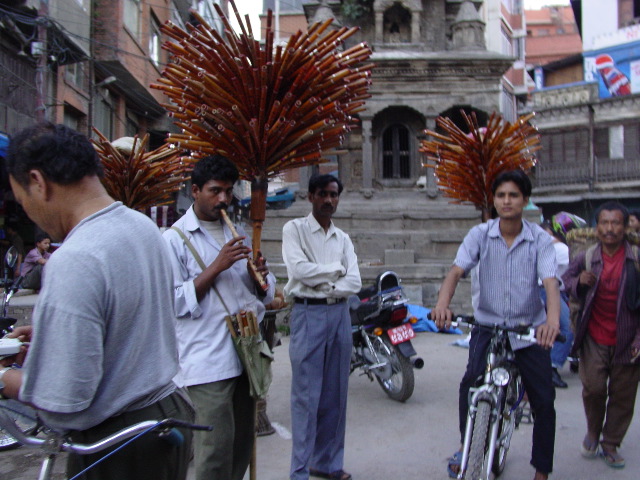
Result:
{"points": [[34, 262], [210, 367], [102, 349], [322, 268], [608, 333], [634, 221], [560, 350]]}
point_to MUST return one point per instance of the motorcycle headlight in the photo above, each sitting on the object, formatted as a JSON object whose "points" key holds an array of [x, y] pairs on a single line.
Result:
{"points": [[500, 377]]}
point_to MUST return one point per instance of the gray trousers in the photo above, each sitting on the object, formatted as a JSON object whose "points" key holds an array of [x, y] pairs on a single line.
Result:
{"points": [[225, 452], [320, 352], [608, 392]]}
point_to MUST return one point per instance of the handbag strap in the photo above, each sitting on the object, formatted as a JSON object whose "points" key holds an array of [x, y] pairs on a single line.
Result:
{"points": [[200, 262]]}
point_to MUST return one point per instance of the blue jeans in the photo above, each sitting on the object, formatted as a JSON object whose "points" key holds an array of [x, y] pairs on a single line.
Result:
{"points": [[560, 350]]}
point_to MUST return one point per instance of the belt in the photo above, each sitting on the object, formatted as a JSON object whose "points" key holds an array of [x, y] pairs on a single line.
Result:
{"points": [[319, 301]]}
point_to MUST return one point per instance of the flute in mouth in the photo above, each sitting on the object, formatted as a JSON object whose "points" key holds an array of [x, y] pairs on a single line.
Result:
{"points": [[256, 274]]}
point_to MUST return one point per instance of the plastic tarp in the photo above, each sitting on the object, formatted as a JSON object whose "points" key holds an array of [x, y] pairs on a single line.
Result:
{"points": [[424, 324], [4, 144]]}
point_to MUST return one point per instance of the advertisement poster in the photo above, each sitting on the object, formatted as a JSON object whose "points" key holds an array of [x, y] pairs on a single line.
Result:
{"points": [[616, 69]]}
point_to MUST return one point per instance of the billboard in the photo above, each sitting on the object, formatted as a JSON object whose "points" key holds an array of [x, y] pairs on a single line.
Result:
{"points": [[616, 69]]}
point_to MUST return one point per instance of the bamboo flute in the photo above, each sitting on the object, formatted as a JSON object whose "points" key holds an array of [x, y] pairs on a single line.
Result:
{"points": [[257, 275]]}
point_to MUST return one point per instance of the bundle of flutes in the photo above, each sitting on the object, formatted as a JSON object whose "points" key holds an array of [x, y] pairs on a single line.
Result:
{"points": [[243, 324], [466, 165], [267, 108], [138, 178]]}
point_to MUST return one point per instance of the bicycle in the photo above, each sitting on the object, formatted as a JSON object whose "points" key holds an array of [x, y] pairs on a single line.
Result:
{"points": [[54, 443], [496, 405]]}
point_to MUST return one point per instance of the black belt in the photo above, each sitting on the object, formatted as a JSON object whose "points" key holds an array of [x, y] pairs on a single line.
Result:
{"points": [[319, 301]]}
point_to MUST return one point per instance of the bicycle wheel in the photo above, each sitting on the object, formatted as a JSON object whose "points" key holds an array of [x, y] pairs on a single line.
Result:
{"points": [[476, 469], [25, 418]]}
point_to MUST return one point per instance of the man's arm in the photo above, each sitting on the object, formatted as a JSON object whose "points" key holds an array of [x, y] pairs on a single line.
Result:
{"points": [[576, 279], [350, 282], [300, 267], [547, 332], [441, 313], [230, 253]]}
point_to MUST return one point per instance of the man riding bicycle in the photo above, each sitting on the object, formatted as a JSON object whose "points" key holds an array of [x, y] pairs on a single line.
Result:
{"points": [[511, 254]]}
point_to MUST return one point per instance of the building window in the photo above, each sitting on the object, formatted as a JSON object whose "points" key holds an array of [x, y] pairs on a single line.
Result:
{"points": [[74, 74], [632, 142], [154, 41], [396, 152], [132, 17], [72, 118], [103, 115]]}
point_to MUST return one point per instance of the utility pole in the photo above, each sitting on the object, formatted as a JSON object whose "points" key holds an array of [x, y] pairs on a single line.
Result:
{"points": [[41, 69]]}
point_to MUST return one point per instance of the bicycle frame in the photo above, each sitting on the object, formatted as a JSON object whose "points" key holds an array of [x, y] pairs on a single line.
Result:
{"points": [[493, 391]]}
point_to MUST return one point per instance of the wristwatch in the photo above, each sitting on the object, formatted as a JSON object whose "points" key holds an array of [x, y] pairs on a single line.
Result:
{"points": [[2, 372]]}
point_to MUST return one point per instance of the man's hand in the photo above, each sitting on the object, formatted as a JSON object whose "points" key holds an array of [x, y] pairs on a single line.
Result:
{"points": [[24, 335], [442, 316], [635, 353], [230, 253], [261, 266], [587, 278], [546, 334]]}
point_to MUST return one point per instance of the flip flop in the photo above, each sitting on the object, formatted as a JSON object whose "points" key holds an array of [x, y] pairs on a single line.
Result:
{"points": [[337, 475], [455, 460], [589, 450], [612, 459]]}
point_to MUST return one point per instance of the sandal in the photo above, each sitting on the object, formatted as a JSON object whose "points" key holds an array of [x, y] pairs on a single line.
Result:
{"points": [[588, 449], [337, 475], [612, 458], [454, 461]]}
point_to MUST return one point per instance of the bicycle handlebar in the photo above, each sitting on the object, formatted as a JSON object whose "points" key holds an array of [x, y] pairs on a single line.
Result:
{"points": [[524, 332], [8, 424]]}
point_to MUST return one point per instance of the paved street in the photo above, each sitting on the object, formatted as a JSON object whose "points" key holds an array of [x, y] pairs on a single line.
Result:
{"points": [[411, 441]]}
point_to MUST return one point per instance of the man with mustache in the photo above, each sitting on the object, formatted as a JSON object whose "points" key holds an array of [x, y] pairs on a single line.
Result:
{"points": [[608, 333], [323, 271], [210, 367]]}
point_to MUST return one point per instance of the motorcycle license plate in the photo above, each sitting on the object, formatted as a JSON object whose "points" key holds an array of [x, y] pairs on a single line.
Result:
{"points": [[401, 334]]}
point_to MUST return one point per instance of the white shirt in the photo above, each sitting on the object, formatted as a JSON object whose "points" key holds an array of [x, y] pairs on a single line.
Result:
{"points": [[319, 264], [206, 350]]}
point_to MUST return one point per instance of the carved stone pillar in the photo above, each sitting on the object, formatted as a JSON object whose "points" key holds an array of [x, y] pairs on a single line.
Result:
{"points": [[379, 27], [432, 187], [415, 26], [367, 159]]}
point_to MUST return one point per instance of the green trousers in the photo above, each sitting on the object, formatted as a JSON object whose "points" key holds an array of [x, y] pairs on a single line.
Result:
{"points": [[225, 452]]}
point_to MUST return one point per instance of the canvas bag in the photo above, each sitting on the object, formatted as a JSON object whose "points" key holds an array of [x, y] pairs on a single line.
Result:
{"points": [[253, 351]]}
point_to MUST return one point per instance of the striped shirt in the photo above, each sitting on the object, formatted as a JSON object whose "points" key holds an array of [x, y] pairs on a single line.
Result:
{"points": [[508, 277]]}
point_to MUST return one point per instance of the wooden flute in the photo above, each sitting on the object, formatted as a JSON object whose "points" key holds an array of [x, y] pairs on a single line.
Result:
{"points": [[257, 275]]}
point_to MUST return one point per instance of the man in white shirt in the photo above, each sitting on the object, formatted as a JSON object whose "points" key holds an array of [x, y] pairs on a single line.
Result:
{"points": [[210, 367], [323, 271]]}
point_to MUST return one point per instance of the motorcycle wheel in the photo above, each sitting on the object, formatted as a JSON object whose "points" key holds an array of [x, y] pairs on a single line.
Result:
{"points": [[478, 449], [25, 418], [400, 383]]}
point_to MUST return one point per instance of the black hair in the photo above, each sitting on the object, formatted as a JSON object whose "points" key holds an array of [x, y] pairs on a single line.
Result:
{"points": [[61, 154], [214, 167], [11, 225], [635, 212], [518, 177], [612, 206], [320, 181], [547, 225], [41, 236]]}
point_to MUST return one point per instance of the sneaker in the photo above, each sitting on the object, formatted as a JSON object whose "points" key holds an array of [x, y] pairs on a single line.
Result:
{"points": [[557, 379]]}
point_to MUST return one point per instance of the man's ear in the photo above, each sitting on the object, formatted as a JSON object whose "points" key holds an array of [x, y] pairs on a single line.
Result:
{"points": [[194, 190], [310, 196], [39, 185]]}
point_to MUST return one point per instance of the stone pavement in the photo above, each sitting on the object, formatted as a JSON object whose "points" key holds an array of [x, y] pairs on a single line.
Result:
{"points": [[411, 441]]}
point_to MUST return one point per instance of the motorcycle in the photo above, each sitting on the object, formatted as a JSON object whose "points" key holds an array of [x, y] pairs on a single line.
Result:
{"points": [[23, 415], [382, 336]]}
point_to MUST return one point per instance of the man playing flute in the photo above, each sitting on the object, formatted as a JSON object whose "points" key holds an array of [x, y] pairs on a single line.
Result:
{"points": [[210, 367]]}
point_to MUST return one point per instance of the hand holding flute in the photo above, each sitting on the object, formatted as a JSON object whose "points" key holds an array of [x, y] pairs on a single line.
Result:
{"points": [[255, 265]]}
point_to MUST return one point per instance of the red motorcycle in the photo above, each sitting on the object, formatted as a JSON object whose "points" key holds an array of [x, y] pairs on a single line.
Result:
{"points": [[382, 336]]}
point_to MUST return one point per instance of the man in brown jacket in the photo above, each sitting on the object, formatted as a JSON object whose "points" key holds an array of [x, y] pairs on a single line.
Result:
{"points": [[608, 333]]}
